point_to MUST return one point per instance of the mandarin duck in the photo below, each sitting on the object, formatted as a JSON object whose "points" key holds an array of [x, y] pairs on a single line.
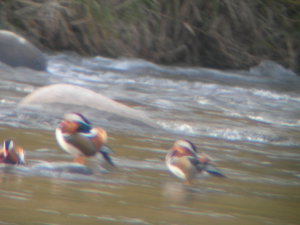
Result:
{"points": [[182, 160], [11, 154], [76, 136]]}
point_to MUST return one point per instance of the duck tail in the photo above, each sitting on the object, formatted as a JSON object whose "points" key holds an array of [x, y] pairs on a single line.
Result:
{"points": [[105, 150], [211, 169]]}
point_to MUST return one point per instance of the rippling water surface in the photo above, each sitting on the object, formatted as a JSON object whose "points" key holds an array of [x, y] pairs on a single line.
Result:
{"points": [[247, 121]]}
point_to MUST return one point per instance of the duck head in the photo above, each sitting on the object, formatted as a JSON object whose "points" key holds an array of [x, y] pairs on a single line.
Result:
{"points": [[185, 144], [184, 147], [75, 122]]}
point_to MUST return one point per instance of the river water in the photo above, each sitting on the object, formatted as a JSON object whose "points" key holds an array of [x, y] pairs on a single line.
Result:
{"points": [[247, 121]]}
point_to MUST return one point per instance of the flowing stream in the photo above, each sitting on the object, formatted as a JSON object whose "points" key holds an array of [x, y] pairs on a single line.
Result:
{"points": [[247, 121]]}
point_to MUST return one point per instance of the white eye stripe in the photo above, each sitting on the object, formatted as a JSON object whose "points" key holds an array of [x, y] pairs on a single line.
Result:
{"points": [[74, 117], [184, 144]]}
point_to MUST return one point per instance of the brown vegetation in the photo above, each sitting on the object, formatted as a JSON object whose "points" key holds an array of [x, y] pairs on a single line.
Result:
{"points": [[216, 33]]}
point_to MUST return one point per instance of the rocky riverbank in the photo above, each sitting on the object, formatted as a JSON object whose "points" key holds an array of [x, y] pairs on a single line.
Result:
{"points": [[227, 34]]}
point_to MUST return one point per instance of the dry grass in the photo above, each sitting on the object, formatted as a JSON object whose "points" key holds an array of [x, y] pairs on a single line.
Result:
{"points": [[216, 33]]}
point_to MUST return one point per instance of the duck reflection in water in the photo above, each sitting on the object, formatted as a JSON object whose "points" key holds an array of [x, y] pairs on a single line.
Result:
{"points": [[176, 192], [11, 154], [182, 160], [76, 135]]}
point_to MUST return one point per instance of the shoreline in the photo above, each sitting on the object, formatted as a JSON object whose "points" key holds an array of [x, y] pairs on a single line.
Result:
{"points": [[216, 34]]}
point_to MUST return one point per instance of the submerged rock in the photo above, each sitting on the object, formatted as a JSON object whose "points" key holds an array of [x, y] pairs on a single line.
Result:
{"points": [[17, 51], [63, 167], [272, 69], [70, 97]]}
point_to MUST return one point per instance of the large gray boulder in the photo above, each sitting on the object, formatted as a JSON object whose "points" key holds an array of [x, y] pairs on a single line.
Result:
{"points": [[17, 51], [65, 96]]}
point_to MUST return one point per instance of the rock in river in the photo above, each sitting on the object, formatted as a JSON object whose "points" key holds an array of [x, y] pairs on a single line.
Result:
{"points": [[66, 95], [17, 51]]}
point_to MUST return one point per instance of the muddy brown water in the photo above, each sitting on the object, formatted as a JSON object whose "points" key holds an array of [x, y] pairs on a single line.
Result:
{"points": [[258, 189], [248, 124]]}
